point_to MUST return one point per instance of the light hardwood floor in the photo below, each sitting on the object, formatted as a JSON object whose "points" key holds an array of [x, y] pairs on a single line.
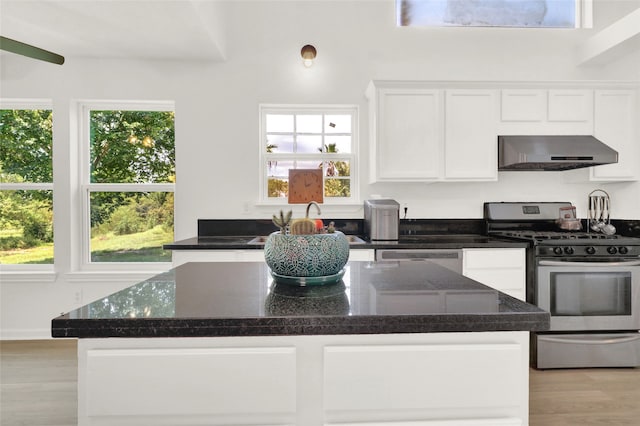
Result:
{"points": [[38, 388]]}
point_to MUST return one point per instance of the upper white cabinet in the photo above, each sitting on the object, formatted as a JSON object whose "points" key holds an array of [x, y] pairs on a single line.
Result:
{"points": [[523, 105], [444, 132], [616, 124], [471, 149], [546, 112], [426, 134], [407, 129]]}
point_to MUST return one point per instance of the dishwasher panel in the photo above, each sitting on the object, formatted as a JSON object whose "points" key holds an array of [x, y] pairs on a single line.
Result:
{"points": [[450, 259]]}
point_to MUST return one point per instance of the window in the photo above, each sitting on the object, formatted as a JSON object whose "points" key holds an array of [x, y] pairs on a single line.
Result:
{"points": [[26, 182], [128, 176], [308, 137], [494, 13]]}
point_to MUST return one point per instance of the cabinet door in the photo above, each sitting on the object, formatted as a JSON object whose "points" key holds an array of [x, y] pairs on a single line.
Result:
{"points": [[407, 135], [616, 125], [571, 105], [187, 385], [523, 105], [546, 112], [502, 269], [471, 138]]}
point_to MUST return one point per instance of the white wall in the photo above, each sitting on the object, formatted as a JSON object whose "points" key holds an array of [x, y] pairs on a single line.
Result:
{"points": [[217, 116]]}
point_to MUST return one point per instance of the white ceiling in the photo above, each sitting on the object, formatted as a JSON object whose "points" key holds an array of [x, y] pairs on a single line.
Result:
{"points": [[142, 29]]}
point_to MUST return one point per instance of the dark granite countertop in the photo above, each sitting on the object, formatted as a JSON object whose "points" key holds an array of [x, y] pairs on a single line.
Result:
{"points": [[241, 299]]}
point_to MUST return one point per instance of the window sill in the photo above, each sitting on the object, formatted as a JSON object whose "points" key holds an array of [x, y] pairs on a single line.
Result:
{"points": [[112, 276], [10, 275]]}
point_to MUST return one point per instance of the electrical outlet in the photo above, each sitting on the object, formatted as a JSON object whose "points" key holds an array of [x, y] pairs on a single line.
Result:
{"points": [[77, 296]]}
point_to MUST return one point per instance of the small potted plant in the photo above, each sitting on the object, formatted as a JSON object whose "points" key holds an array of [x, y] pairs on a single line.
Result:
{"points": [[303, 252]]}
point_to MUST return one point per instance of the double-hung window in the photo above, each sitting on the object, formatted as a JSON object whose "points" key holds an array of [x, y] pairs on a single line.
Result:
{"points": [[26, 183], [308, 137], [128, 175]]}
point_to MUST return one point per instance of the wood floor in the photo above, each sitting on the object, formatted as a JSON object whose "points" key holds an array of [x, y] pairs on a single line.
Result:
{"points": [[38, 388]]}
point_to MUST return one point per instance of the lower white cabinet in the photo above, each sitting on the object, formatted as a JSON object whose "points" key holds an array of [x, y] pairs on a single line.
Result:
{"points": [[501, 268], [363, 255], [179, 257], [397, 379]]}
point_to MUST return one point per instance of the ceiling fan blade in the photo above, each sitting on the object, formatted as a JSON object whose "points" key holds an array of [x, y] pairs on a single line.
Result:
{"points": [[31, 51]]}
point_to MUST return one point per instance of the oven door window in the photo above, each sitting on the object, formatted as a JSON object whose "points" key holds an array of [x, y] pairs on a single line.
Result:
{"points": [[590, 293]]}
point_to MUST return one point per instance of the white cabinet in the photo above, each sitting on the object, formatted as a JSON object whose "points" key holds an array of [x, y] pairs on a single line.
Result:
{"points": [[407, 134], [471, 147], [425, 134], [362, 255], [501, 268], [178, 382], [616, 124], [179, 257], [546, 112], [436, 379]]}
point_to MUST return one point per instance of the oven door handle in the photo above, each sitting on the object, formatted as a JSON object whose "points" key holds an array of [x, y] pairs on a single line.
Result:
{"points": [[594, 264], [606, 340]]}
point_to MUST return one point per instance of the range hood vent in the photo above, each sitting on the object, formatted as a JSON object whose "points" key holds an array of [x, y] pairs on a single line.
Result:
{"points": [[552, 153]]}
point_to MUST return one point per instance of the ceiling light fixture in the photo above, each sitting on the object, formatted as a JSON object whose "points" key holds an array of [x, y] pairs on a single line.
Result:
{"points": [[308, 53]]}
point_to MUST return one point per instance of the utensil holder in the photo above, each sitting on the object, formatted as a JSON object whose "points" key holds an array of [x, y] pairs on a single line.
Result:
{"points": [[599, 210]]}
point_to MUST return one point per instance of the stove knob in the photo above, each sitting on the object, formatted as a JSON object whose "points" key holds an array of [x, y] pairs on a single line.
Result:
{"points": [[568, 250], [612, 250], [557, 250], [590, 250], [623, 250]]}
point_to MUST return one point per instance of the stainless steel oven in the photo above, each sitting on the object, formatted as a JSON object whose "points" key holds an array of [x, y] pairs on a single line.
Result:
{"points": [[595, 312], [587, 295], [588, 281]]}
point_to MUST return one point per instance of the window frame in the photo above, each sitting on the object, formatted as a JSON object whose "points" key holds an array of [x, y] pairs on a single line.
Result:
{"points": [[86, 187], [31, 104], [307, 109]]}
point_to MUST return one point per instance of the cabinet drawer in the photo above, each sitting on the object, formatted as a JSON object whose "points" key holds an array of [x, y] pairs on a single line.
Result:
{"points": [[493, 258]]}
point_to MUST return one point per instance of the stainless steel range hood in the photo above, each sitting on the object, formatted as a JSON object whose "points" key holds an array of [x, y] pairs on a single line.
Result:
{"points": [[555, 152]]}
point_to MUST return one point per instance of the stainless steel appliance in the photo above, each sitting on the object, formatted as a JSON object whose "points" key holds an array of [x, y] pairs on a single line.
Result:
{"points": [[589, 282], [381, 219], [554, 152], [450, 259]]}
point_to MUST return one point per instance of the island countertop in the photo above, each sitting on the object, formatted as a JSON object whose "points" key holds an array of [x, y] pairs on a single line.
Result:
{"points": [[210, 299]]}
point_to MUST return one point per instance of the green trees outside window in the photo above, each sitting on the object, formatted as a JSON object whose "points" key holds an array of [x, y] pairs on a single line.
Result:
{"points": [[26, 178], [129, 185], [136, 149]]}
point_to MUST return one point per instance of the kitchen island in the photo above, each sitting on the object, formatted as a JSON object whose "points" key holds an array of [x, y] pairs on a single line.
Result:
{"points": [[221, 344]]}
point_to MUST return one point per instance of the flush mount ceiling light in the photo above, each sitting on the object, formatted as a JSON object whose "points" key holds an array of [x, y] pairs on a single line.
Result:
{"points": [[308, 53]]}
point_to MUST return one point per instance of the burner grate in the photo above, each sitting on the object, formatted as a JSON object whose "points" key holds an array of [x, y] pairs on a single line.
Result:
{"points": [[537, 235]]}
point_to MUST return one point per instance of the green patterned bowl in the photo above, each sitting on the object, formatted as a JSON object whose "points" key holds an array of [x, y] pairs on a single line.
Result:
{"points": [[316, 255]]}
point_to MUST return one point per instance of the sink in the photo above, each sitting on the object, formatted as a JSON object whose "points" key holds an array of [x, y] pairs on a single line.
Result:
{"points": [[352, 239]]}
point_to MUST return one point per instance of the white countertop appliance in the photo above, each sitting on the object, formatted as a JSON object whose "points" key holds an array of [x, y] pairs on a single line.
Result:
{"points": [[381, 219], [588, 281]]}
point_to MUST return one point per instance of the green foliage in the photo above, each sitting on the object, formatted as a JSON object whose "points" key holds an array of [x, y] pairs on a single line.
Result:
{"points": [[26, 145], [142, 211], [38, 226], [277, 187], [132, 146], [125, 147]]}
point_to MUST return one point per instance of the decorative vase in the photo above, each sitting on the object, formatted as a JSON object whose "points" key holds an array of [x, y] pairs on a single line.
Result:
{"points": [[313, 255]]}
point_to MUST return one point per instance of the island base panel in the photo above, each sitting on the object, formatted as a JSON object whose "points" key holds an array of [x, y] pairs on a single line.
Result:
{"points": [[393, 379]]}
